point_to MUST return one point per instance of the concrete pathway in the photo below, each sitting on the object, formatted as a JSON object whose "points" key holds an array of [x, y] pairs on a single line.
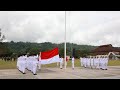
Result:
{"points": [[113, 72]]}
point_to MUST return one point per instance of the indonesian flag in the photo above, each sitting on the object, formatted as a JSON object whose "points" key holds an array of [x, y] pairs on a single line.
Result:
{"points": [[49, 57]]}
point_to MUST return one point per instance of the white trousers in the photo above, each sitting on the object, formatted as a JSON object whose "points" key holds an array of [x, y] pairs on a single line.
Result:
{"points": [[73, 64]]}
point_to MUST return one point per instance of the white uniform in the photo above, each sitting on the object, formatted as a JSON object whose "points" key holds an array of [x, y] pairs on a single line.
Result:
{"points": [[92, 62], [106, 63], [34, 64], [88, 62], [29, 63], [18, 60], [39, 64], [73, 63], [97, 63], [24, 63], [81, 62], [61, 63], [21, 63], [84, 62], [102, 63]]}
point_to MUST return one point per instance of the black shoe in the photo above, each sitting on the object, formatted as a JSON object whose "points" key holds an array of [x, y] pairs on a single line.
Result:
{"points": [[60, 68], [24, 73], [34, 74]]}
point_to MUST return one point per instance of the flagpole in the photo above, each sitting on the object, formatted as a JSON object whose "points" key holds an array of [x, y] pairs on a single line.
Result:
{"points": [[65, 43]]}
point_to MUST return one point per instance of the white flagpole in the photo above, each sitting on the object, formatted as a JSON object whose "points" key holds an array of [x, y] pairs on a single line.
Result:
{"points": [[65, 42]]}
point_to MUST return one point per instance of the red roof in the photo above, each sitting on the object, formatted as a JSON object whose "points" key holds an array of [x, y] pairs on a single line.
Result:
{"points": [[106, 48]]}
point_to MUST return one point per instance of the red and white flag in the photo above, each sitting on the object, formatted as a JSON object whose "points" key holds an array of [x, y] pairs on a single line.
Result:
{"points": [[51, 56]]}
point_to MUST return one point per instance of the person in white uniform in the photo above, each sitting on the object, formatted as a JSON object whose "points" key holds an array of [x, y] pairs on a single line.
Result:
{"points": [[102, 63], [97, 63], [39, 61], [88, 62], [24, 64], [92, 62], [21, 64], [84, 61], [61, 62], [34, 65], [18, 60], [81, 61], [106, 62], [73, 59]]}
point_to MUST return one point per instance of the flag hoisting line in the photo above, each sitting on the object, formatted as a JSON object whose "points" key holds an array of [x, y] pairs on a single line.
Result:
{"points": [[65, 43]]}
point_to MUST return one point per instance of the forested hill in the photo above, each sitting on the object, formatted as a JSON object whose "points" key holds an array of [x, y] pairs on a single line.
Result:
{"points": [[35, 48]]}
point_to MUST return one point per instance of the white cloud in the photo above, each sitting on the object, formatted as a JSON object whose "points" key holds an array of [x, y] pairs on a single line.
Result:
{"points": [[83, 27]]}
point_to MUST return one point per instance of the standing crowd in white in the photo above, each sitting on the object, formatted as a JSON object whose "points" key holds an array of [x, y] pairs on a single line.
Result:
{"points": [[95, 62], [32, 63], [27, 62]]}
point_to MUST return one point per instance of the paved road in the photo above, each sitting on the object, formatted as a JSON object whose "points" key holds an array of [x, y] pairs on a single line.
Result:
{"points": [[113, 72]]}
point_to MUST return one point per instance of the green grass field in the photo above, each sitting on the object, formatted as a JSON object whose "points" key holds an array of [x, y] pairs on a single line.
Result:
{"points": [[7, 64], [12, 64]]}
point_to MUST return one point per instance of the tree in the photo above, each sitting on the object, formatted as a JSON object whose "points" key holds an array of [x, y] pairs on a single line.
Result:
{"points": [[2, 37], [34, 51], [4, 50], [84, 53], [61, 52]]}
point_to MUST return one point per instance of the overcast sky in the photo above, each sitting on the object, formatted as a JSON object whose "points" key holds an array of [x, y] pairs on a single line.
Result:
{"points": [[83, 27]]}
